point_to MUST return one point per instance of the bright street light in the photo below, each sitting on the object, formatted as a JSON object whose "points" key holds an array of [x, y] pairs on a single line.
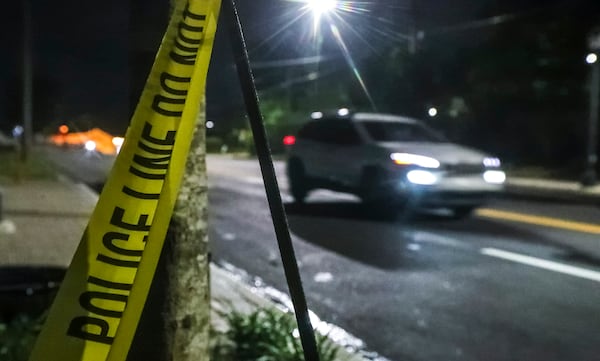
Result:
{"points": [[432, 112], [320, 7], [591, 58]]}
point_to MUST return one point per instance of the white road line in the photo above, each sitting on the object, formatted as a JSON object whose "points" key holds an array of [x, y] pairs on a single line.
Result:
{"points": [[427, 237], [253, 180], [542, 263]]}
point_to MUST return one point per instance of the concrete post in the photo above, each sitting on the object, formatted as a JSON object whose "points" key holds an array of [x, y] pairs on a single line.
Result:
{"points": [[188, 294]]}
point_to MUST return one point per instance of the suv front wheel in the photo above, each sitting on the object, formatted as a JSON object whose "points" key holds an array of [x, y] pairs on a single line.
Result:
{"points": [[298, 181], [462, 211]]}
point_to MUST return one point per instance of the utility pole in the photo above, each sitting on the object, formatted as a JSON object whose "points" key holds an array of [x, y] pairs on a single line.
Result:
{"points": [[27, 81], [590, 176], [188, 292]]}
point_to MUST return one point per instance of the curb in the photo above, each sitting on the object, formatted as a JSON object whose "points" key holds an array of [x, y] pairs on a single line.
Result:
{"points": [[251, 293]]}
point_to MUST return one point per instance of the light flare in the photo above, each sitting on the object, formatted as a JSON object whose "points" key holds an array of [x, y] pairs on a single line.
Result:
{"points": [[352, 64], [362, 20]]}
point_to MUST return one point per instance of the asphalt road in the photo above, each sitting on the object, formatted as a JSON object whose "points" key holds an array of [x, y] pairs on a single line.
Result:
{"points": [[91, 168], [419, 288], [426, 287]]}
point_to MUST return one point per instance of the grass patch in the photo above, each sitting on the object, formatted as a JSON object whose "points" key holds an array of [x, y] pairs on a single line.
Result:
{"points": [[36, 167], [18, 336], [265, 335]]}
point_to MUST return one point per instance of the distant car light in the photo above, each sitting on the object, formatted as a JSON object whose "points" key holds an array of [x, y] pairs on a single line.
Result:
{"points": [[494, 176], [422, 177], [90, 145], [63, 129], [414, 159], [118, 143], [491, 162], [289, 140]]}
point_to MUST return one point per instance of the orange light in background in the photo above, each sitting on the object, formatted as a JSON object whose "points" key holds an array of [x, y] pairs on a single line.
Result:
{"points": [[102, 140], [63, 129]]}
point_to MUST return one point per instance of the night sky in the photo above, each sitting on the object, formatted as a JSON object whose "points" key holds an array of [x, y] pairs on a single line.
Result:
{"points": [[82, 47]]}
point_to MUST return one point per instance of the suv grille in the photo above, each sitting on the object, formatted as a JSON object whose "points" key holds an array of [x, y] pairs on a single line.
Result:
{"points": [[465, 168]]}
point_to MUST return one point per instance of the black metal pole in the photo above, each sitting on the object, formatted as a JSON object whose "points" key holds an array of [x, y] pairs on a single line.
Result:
{"points": [[280, 223], [590, 177], [27, 81]]}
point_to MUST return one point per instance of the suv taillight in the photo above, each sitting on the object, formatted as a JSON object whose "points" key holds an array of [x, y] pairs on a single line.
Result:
{"points": [[289, 140]]}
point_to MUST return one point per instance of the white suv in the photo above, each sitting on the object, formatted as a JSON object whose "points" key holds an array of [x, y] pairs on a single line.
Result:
{"points": [[390, 160]]}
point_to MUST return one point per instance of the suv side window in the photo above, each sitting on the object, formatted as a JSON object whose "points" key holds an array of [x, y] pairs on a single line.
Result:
{"points": [[310, 131], [331, 131], [341, 132]]}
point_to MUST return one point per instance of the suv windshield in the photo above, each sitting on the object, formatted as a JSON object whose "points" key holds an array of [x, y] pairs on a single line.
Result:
{"points": [[400, 132]]}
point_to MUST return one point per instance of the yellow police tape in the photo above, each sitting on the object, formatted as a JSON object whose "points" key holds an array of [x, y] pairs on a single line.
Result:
{"points": [[99, 304]]}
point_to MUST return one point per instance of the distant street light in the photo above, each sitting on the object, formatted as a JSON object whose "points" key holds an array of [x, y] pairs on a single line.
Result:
{"points": [[343, 112], [591, 58], [432, 112], [210, 124]]}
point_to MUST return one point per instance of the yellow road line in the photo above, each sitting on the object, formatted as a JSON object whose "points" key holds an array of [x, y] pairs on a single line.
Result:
{"points": [[539, 220]]}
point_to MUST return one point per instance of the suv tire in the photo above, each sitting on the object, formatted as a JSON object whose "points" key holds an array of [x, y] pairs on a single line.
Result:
{"points": [[462, 211], [298, 181], [372, 188]]}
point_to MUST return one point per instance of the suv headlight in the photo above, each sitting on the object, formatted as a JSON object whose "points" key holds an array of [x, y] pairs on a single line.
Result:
{"points": [[422, 177], [414, 159], [494, 176]]}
